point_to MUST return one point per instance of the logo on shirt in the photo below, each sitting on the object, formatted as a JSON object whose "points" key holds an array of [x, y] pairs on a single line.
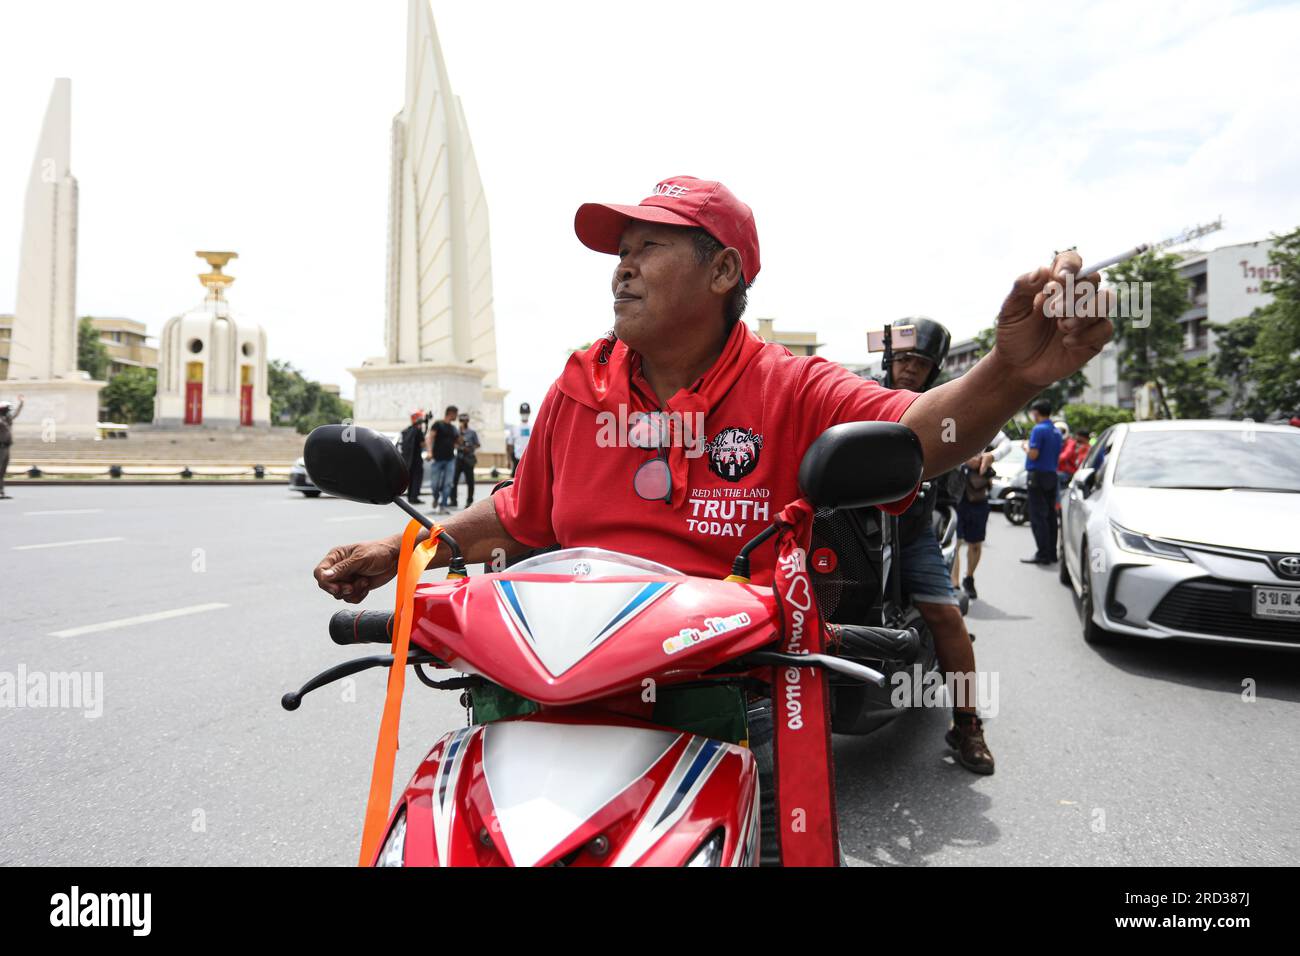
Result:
{"points": [[733, 453]]}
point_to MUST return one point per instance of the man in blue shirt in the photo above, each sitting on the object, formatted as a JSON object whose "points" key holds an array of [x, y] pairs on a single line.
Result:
{"points": [[1042, 451]]}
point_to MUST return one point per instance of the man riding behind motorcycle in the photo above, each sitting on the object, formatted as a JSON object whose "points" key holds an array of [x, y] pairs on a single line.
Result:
{"points": [[688, 488], [925, 576]]}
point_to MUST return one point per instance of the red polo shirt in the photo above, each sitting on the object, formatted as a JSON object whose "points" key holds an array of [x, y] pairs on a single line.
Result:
{"points": [[760, 407]]}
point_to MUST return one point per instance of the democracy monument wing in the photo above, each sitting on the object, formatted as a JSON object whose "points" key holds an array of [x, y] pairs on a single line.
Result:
{"points": [[62, 401], [439, 331]]}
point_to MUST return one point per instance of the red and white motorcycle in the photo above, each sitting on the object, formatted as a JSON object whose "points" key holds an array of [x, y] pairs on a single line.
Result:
{"points": [[610, 692]]}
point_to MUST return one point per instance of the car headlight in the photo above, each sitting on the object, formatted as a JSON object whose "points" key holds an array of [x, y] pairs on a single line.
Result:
{"points": [[393, 852], [1150, 547], [710, 854]]}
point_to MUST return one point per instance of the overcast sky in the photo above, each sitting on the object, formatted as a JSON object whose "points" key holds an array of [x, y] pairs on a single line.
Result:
{"points": [[901, 159]]}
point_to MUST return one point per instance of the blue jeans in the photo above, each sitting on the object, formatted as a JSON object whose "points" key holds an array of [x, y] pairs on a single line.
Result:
{"points": [[925, 576], [440, 477]]}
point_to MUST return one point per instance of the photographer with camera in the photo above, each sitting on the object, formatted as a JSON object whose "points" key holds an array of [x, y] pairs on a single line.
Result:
{"points": [[411, 447]]}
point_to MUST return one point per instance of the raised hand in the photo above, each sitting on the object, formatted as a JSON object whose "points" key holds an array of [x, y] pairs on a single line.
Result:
{"points": [[1053, 321]]}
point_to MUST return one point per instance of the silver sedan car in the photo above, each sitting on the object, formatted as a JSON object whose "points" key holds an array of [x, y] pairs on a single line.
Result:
{"points": [[1187, 530]]}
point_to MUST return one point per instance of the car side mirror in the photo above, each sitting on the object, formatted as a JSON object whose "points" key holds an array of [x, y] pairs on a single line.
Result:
{"points": [[1084, 478], [861, 464], [355, 463]]}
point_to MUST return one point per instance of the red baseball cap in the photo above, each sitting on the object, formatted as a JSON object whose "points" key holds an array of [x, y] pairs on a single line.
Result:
{"points": [[678, 201]]}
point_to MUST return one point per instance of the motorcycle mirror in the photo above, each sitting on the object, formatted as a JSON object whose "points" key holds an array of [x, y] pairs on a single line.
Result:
{"points": [[861, 464], [355, 463]]}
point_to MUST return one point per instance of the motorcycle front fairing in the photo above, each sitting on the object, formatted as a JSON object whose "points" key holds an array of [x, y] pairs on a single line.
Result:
{"points": [[584, 624], [596, 791], [595, 788]]}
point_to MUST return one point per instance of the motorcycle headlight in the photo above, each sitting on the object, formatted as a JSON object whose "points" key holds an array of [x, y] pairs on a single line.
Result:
{"points": [[393, 852], [709, 853], [1141, 544]]}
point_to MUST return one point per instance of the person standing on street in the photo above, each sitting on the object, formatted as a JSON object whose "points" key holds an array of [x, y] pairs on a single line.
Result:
{"points": [[7, 415], [973, 517], [467, 446], [1042, 451], [442, 456], [517, 437], [922, 570], [412, 449], [1072, 455]]}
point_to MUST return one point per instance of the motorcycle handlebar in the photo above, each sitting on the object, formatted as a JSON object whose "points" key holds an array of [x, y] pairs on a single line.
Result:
{"points": [[350, 626], [885, 643]]}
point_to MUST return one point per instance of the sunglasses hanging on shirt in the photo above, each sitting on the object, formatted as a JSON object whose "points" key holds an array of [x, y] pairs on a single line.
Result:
{"points": [[653, 480]]}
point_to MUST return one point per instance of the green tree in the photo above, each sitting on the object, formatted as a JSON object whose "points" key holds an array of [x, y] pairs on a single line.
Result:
{"points": [[1060, 393], [300, 402], [1150, 348], [1094, 419], [92, 356], [1193, 389], [1233, 365], [129, 395], [1275, 353]]}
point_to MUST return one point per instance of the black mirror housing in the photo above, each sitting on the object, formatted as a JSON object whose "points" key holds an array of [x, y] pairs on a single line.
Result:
{"points": [[861, 464], [355, 463]]}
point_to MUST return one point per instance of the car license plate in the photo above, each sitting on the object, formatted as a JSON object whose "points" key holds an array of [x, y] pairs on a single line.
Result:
{"points": [[1275, 603]]}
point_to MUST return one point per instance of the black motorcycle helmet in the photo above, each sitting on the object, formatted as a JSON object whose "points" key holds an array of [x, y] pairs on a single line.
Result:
{"points": [[932, 341]]}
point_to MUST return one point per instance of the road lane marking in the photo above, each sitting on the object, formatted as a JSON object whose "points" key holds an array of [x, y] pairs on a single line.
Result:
{"points": [[67, 511], [141, 619], [65, 544]]}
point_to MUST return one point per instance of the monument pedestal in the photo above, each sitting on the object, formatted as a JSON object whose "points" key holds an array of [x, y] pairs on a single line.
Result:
{"points": [[387, 394], [492, 433], [55, 409]]}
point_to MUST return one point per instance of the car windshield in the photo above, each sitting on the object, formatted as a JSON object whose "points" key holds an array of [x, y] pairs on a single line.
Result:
{"points": [[1222, 458]]}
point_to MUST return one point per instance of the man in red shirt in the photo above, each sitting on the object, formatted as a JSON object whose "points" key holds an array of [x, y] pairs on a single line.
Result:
{"points": [[1072, 455], [686, 487]]}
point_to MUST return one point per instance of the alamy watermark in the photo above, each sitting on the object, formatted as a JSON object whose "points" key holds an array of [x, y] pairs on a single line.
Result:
{"points": [[59, 690], [658, 429], [915, 688], [1125, 300]]}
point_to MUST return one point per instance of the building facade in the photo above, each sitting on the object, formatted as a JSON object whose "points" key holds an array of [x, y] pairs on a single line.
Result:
{"points": [[1224, 284], [127, 343], [799, 343]]}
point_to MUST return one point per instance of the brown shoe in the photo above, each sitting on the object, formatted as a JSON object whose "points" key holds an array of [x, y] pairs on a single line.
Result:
{"points": [[967, 738]]}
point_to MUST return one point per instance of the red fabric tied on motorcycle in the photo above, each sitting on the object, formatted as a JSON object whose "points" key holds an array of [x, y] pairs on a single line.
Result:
{"points": [[805, 773]]}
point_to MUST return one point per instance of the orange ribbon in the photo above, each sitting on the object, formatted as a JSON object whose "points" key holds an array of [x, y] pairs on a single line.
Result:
{"points": [[411, 563]]}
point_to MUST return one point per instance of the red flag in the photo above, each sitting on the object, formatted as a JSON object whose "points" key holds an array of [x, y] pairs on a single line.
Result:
{"points": [[805, 773]]}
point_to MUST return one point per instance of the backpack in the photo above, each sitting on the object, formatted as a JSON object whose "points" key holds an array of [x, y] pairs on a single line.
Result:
{"points": [[977, 484]]}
